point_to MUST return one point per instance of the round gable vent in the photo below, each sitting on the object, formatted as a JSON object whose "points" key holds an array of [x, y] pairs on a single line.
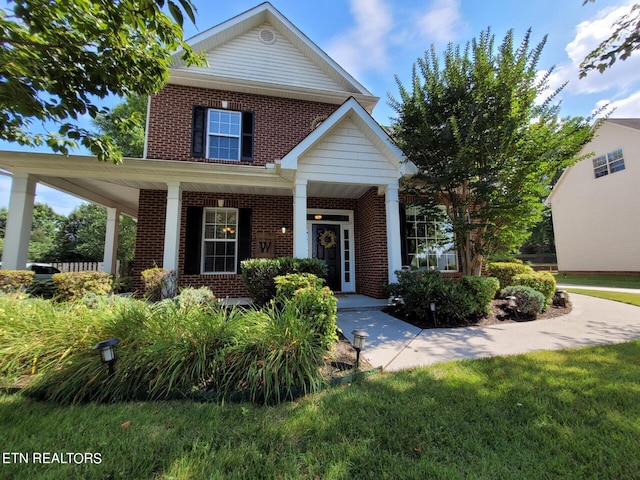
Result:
{"points": [[267, 36]]}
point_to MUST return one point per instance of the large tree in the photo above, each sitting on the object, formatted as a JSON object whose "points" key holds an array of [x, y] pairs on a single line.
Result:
{"points": [[624, 39], [484, 145], [58, 58], [82, 235], [125, 125]]}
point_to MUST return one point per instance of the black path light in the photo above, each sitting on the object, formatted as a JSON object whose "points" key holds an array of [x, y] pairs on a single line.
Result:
{"points": [[433, 311], [107, 349], [359, 337]]}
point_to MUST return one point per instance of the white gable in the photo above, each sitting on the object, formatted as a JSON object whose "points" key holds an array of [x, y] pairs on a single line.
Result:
{"points": [[247, 57], [345, 154], [262, 52]]}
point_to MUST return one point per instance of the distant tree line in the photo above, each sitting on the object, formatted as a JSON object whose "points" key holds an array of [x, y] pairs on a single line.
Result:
{"points": [[78, 237]]}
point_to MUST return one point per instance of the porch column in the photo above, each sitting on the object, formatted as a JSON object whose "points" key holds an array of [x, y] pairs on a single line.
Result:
{"points": [[111, 241], [300, 241], [172, 226], [394, 252], [19, 220]]}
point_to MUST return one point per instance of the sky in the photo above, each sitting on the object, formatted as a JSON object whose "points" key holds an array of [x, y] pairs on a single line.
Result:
{"points": [[377, 40]]}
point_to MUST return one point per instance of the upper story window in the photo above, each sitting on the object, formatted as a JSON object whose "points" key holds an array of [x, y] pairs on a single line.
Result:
{"points": [[222, 134], [610, 163]]}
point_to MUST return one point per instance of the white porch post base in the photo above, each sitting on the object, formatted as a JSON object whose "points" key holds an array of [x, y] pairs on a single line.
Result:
{"points": [[300, 244], [172, 226], [19, 220], [394, 252], [111, 241]]}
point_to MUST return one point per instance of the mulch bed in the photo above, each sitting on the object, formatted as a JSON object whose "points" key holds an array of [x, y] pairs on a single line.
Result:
{"points": [[500, 314]]}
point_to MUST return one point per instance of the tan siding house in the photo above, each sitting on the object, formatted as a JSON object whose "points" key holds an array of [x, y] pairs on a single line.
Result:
{"points": [[596, 203]]}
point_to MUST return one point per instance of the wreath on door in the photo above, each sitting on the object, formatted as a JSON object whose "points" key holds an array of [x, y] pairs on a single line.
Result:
{"points": [[327, 239]]}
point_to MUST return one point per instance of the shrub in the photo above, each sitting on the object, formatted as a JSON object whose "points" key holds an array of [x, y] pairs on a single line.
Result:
{"points": [[44, 288], [123, 285], [543, 282], [258, 274], [73, 286], [15, 280], [420, 288], [505, 271], [483, 290], [529, 301], [159, 283], [316, 305], [195, 297]]}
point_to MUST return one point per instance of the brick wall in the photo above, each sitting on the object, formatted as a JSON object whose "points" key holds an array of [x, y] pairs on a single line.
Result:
{"points": [[280, 123], [371, 244], [268, 213]]}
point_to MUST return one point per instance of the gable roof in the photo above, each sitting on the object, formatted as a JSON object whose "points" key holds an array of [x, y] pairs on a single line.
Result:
{"points": [[260, 51], [378, 137]]}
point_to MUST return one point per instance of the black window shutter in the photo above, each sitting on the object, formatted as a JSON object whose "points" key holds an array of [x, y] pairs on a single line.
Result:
{"points": [[199, 131], [247, 135], [244, 235], [403, 234], [193, 241]]}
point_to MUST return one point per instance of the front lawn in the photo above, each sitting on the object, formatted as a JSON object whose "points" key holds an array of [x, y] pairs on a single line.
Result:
{"points": [[566, 414], [599, 280], [624, 297]]}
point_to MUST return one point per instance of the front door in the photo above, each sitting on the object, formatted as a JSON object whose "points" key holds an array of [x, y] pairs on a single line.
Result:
{"points": [[326, 246]]}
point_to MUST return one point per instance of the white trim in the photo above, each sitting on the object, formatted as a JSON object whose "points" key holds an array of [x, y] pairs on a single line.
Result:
{"points": [[204, 241], [347, 225], [172, 226], [111, 241], [146, 128]]}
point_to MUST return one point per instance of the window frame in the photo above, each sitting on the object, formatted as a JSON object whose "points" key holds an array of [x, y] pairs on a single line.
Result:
{"points": [[209, 134], [414, 218], [214, 240], [608, 163]]}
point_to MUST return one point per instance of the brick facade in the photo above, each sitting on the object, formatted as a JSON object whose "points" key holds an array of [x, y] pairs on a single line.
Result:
{"points": [[269, 213], [280, 123]]}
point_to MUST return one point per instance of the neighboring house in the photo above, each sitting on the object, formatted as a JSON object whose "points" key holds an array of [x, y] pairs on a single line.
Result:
{"points": [[268, 151], [596, 203]]}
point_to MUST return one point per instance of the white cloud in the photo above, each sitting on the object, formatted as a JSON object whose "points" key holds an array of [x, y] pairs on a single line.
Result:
{"points": [[589, 34], [628, 107], [364, 47], [440, 22]]}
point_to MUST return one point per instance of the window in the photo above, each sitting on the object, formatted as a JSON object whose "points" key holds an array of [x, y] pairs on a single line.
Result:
{"points": [[219, 242], [430, 241], [222, 134], [610, 163]]}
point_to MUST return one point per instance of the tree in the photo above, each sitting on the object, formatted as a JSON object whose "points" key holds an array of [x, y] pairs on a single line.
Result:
{"points": [[44, 229], [82, 235], [118, 125], [483, 145], [621, 44], [57, 58]]}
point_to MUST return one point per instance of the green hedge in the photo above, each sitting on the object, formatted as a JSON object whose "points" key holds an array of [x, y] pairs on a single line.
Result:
{"points": [[316, 305], [258, 274], [506, 271], [483, 290], [543, 282], [73, 286], [15, 280]]}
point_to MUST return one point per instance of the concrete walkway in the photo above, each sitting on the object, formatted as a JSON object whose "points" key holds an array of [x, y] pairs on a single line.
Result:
{"points": [[395, 345]]}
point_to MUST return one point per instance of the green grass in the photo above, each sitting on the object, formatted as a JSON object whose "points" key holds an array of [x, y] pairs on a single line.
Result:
{"points": [[599, 280], [569, 414], [624, 297]]}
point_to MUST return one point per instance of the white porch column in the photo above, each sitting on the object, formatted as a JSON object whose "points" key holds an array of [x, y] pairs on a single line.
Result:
{"points": [[300, 242], [111, 241], [172, 226], [394, 252], [19, 220]]}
